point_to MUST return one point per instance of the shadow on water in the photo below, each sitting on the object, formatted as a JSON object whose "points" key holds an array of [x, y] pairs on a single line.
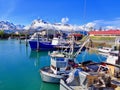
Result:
{"points": [[49, 86]]}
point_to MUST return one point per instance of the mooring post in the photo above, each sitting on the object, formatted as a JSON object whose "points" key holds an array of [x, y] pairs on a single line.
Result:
{"points": [[26, 41], [19, 38], [38, 42]]}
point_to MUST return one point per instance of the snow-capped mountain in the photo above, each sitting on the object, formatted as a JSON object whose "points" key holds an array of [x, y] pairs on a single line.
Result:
{"points": [[39, 24], [5, 25], [19, 27]]}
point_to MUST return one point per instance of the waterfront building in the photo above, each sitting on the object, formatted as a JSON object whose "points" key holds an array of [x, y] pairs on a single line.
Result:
{"points": [[111, 33]]}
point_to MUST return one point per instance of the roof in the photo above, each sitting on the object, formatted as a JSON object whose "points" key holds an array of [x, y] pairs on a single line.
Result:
{"points": [[108, 32]]}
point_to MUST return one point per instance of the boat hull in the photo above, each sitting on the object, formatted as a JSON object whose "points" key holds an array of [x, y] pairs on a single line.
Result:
{"points": [[47, 46], [64, 86], [49, 77], [43, 46]]}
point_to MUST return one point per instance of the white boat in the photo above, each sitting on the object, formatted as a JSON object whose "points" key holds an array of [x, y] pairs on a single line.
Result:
{"points": [[61, 64], [112, 57], [105, 49], [91, 76]]}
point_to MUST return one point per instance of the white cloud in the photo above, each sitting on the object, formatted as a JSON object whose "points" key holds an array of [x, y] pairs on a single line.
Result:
{"points": [[105, 24], [91, 24], [110, 27], [27, 27], [64, 20]]}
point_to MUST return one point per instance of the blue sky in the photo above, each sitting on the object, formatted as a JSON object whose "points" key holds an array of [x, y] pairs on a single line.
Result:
{"points": [[77, 11]]}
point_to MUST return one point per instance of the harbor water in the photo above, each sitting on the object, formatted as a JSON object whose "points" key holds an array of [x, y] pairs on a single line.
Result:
{"points": [[19, 66]]}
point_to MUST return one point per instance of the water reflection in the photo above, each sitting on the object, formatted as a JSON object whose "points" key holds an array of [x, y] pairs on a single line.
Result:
{"points": [[39, 57]]}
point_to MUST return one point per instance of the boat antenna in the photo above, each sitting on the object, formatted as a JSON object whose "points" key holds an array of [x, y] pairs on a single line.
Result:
{"points": [[72, 42]]}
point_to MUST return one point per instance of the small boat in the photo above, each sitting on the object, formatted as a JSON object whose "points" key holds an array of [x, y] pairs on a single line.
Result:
{"points": [[112, 53], [105, 49], [94, 76], [112, 57], [61, 64], [90, 76]]}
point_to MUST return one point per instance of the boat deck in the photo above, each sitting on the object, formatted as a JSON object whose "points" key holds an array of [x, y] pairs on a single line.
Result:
{"points": [[75, 84], [47, 69]]}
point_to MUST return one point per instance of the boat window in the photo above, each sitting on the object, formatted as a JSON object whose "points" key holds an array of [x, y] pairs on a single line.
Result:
{"points": [[58, 69], [45, 39], [113, 54], [60, 59], [40, 39]]}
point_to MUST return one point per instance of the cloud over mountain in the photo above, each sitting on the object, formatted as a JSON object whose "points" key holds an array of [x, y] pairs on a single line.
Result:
{"points": [[39, 24], [107, 24]]}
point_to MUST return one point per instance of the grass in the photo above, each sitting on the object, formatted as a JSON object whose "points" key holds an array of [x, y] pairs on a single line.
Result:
{"points": [[105, 38], [100, 41]]}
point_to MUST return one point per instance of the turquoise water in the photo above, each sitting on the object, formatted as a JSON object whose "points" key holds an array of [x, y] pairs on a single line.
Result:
{"points": [[19, 66]]}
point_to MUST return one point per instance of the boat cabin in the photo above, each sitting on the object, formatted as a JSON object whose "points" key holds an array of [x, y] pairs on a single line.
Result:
{"points": [[58, 41], [59, 63]]}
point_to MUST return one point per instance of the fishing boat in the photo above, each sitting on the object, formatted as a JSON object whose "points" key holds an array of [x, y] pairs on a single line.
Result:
{"points": [[90, 76], [93, 76], [37, 42], [61, 64], [114, 59]]}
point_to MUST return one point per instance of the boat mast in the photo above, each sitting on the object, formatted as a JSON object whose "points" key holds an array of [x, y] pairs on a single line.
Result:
{"points": [[47, 31], [72, 42], [118, 57], [37, 41]]}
